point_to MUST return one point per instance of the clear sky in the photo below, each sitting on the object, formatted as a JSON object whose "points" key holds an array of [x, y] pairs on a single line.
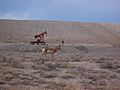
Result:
{"points": [[66, 10]]}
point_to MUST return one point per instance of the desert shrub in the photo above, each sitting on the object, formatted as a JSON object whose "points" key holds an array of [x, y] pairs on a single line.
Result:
{"points": [[73, 87], [113, 76], [39, 71], [68, 76], [118, 70], [64, 65], [16, 64], [25, 77], [49, 75], [39, 62], [110, 65], [2, 59], [82, 49], [9, 60], [64, 85], [35, 67], [104, 60], [51, 65], [100, 60], [26, 82], [69, 86], [106, 65], [111, 86], [8, 77], [45, 67], [6, 59], [39, 80]]}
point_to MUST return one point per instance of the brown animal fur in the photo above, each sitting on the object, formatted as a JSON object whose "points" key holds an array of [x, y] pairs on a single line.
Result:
{"points": [[52, 51]]}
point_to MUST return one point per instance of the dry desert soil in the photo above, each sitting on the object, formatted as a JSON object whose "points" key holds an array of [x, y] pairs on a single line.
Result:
{"points": [[89, 58]]}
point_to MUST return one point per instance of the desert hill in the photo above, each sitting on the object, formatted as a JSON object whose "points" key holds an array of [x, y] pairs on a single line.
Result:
{"points": [[71, 32], [87, 61]]}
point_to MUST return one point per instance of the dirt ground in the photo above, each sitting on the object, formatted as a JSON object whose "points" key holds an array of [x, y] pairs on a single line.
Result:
{"points": [[90, 58], [78, 67]]}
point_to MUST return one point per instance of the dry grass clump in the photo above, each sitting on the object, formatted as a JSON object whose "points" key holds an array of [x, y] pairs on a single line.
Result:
{"points": [[45, 67], [11, 61], [82, 48], [118, 70], [25, 77], [49, 75], [35, 67], [20, 87], [51, 65], [17, 64], [101, 60], [64, 65], [112, 86], [77, 71], [109, 64], [72, 86], [68, 76], [45, 64], [8, 77], [60, 84], [6, 59]]}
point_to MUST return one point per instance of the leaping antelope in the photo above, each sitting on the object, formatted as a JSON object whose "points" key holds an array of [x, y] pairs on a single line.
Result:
{"points": [[51, 51]]}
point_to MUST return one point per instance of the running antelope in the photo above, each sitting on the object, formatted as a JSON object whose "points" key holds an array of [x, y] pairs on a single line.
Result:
{"points": [[51, 51]]}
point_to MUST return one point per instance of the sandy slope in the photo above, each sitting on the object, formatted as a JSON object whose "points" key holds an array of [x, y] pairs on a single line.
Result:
{"points": [[71, 32]]}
